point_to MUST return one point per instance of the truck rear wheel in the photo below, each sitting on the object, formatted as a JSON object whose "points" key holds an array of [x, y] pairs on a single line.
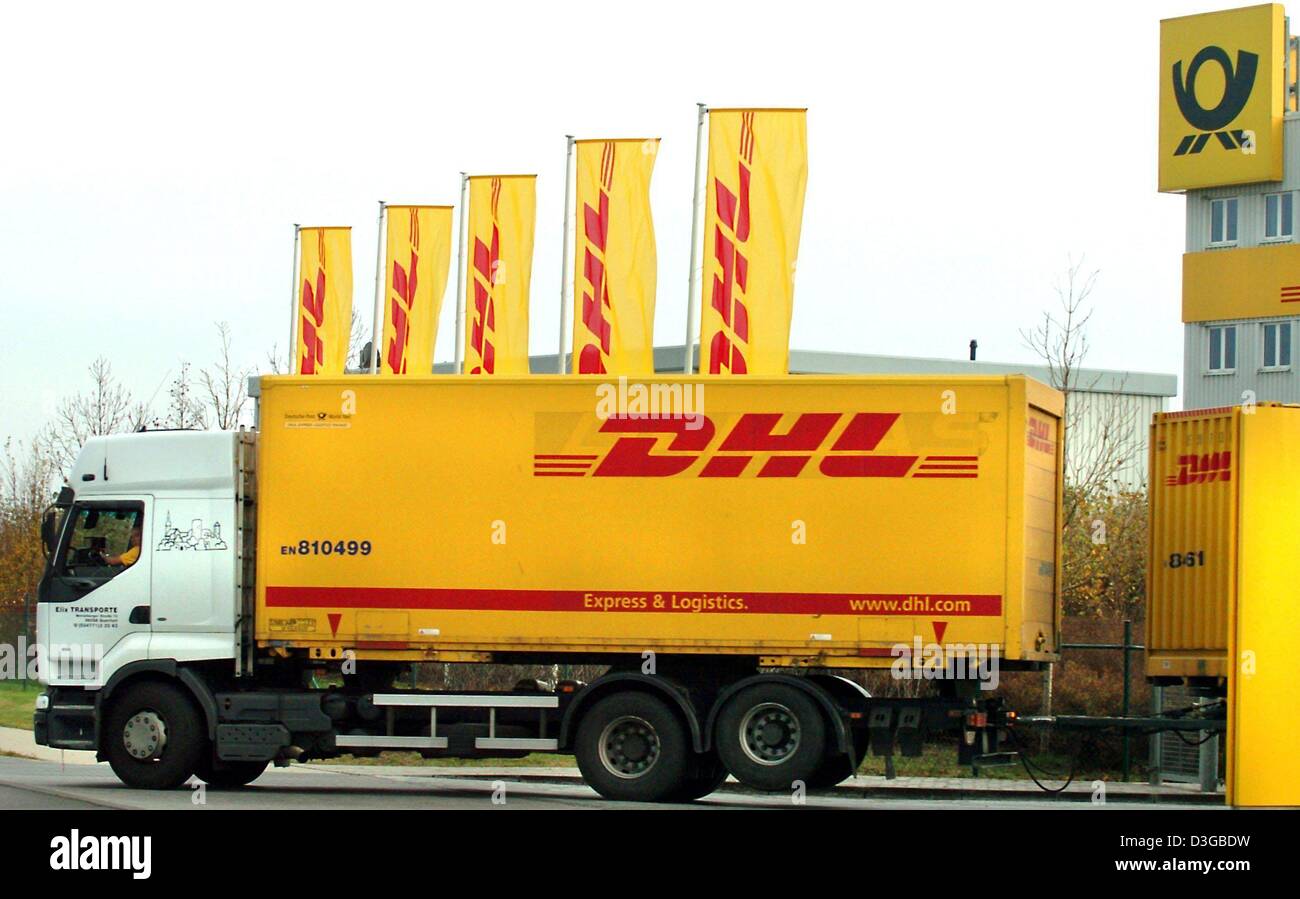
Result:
{"points": [[231, 775], [631, 746], [770, 735], [836, 767], [153, 737]]}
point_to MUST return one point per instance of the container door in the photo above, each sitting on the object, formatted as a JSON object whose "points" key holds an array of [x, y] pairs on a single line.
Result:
{"points": [[1193, 537], [1042, 524]]}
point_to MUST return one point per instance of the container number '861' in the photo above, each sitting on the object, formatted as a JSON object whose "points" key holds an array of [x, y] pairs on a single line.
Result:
{"points": [[327, 548], [1193, 559]]}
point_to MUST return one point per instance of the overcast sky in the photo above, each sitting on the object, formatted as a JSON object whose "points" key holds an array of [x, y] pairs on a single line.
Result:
{"points": [[154, 158]]}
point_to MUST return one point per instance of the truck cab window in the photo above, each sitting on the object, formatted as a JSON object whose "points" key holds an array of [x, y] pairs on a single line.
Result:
{"points": [[105, 540]]}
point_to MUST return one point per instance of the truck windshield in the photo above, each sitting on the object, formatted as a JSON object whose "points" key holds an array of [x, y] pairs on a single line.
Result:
{"points": [[105, 540]]}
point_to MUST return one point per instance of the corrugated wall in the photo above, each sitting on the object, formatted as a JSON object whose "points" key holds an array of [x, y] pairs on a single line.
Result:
{"points": [[1101, 424]]}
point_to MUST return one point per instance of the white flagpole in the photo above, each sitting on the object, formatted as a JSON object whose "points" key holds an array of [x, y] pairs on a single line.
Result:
{"points": [[462, 228], [292, 352], [566, 263], [697, 224], [377, 331]]}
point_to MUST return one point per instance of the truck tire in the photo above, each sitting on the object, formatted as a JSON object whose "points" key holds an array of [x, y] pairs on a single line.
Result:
{"points": [[705, 774], [153, 737], [231, 775], [836, 767], [770, 735], [631, 746]]}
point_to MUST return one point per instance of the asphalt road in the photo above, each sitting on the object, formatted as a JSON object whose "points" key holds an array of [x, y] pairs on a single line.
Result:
{"points": [[32, 784]]}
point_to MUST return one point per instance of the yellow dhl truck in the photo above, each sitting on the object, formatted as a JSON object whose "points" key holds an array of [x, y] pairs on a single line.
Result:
{"points": [[728, 547]]}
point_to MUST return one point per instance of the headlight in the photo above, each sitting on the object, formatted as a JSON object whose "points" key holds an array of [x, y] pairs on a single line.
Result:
{"points": [[42, 702]]}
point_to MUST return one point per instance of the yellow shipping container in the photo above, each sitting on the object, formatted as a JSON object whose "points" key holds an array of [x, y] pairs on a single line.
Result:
{"points": [[804, 521], [1206, 487]]}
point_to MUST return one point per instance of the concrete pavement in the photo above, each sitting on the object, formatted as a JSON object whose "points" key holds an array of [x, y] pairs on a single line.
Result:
{"points": [[70, 782]]}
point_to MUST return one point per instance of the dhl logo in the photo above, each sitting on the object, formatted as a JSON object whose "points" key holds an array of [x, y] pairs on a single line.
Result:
{"points": [[595, 297], [1201, 468], [727, 345], [313, 314], [690, 446], [403, 300], [487, 263], [1040, 436]]}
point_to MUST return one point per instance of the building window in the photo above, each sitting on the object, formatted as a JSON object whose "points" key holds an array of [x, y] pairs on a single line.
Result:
{"points": [[1277, 346], [1277, 216], [1223, 350], [1223, 221]]}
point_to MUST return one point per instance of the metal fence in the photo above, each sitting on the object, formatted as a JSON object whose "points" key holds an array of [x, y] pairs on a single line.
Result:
{"points": [[1127, 648]]}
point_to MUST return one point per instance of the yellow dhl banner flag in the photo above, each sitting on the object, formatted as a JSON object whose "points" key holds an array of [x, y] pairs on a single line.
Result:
{"points": [[502, 210], [758, 168], [419, 256], [613, 328], [324, 300]]}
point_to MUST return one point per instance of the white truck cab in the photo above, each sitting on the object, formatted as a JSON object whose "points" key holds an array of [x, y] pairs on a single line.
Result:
{"points": [[145, 570]]}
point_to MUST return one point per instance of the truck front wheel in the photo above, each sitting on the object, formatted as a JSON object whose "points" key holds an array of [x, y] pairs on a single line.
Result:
{"points": [[153, 737], [771, 735], [631, 746]]}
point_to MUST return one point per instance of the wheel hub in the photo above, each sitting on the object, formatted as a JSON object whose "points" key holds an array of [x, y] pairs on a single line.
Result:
{"points": [[770, 734], [629, 747], [145, 735]]}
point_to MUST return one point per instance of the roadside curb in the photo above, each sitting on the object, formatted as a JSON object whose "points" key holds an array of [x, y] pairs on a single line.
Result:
{"points": [[69, 795], [1080, 793], [16, 741]]}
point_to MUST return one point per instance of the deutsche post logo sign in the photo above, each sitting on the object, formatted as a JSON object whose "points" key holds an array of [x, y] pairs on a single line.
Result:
{"points": [[1221, 98]]}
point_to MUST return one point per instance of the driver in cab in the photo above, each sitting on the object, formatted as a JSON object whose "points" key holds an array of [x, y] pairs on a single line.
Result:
{"points": [[128, 556]]}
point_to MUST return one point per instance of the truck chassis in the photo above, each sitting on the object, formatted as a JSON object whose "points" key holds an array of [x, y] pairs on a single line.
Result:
{"points": [[673, 735]]}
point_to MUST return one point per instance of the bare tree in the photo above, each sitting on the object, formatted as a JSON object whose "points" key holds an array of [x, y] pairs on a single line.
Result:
{"points": [[1102, 439], [184, 409], [276, 363], [356, 339], [226, 385], [105, 408]]}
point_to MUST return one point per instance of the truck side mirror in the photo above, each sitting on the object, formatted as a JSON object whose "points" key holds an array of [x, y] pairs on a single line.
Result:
{"points": [[49, 530]]}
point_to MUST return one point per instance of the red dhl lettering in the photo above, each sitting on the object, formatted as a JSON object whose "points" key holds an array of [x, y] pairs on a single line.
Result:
{"points": [[595, 298], [313, 318], [487, 259], [1203, 468], [313, 314], [1040, 436], [728, 344], [403, 301], [755, 445]]}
